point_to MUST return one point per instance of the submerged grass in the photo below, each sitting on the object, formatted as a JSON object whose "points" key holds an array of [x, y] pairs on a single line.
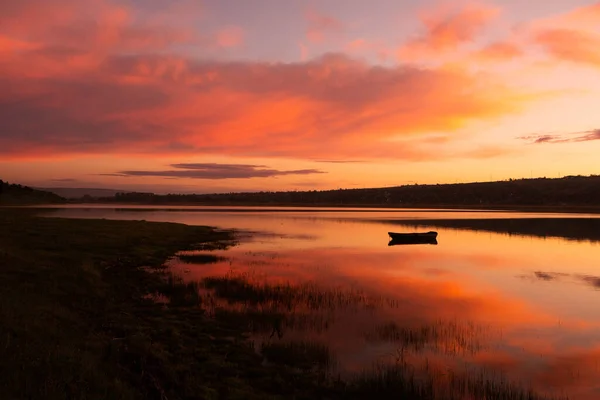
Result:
{"points": [[270, 310], [448, 337], [240, 288], [402, 381]]}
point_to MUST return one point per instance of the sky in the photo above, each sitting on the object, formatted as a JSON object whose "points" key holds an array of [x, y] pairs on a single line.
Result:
{"points": [[237, 95]]}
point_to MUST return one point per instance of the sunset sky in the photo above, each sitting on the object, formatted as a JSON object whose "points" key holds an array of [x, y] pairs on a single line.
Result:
{"points": [[238, 95]]}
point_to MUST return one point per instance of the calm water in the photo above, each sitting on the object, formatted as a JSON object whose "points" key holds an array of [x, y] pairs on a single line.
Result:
{"points": [[516, 295]]}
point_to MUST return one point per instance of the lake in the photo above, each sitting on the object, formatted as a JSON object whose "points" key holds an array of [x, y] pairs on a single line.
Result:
{"points": [[514, 297]]}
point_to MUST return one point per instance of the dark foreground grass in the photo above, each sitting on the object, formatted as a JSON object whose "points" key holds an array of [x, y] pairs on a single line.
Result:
{"points": [[76, 320], [300, 354]]}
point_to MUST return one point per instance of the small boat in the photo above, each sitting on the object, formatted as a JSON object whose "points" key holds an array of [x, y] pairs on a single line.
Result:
{"points": [[412, 238]]}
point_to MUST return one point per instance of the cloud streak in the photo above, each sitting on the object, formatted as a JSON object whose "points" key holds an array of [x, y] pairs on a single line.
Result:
{"points": [[575, 137], [214, 171]]}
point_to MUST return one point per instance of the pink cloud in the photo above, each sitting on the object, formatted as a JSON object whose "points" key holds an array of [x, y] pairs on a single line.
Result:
{"points": [[321, 26], [447, 28], [231, 36], [303, 52]]}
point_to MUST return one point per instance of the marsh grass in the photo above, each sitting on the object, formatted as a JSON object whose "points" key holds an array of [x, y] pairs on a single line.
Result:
{"points": [[199, 258], [241, 288], [180, 293], [406, 382], [448, 337], [280, 307], [273, 309], [299, 354]]}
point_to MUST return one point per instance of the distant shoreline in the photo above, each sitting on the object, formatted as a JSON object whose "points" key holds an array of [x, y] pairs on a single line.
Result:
{"points": [[325, 207]]}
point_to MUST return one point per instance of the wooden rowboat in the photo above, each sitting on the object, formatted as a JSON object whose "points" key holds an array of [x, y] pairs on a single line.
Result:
{"points": [[412, 238]]}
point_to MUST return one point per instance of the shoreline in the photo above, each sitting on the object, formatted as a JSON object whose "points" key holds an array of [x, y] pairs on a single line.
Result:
{"points": [[555, 209]]}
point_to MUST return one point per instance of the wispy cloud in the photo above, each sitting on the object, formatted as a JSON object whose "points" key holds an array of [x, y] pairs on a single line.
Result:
{"points": [[574, 137], [321, 26], [218, 171], [341, 161], [446, 28]]}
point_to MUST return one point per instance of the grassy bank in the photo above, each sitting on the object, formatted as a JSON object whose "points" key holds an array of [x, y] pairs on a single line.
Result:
{"points": [[76, 321]]}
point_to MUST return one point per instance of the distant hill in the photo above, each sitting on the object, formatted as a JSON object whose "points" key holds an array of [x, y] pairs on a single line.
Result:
{"points": [[560, 192], [78, 193], [13, 194]]}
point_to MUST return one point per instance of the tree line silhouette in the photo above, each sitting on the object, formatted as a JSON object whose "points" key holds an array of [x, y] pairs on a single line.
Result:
{"points": [[566, 191], [15, 194]]}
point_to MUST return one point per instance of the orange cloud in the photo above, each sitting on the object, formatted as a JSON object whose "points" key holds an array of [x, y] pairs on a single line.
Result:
{"points": [[585, 16], [572, 36], [322, 108], [446, 29], [74, 87], [571, 45], [499, 51]]}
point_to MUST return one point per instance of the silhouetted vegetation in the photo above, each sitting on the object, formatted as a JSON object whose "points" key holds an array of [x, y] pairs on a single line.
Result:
{"points": [[199, 258], [13, 194], [567, 191]]}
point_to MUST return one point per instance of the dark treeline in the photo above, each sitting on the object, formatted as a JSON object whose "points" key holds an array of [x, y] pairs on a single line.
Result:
{"points": [[14, 194], [567, 191]]}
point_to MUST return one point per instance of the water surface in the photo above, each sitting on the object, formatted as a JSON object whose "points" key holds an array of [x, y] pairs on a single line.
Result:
{"points": [[513, 294]]}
